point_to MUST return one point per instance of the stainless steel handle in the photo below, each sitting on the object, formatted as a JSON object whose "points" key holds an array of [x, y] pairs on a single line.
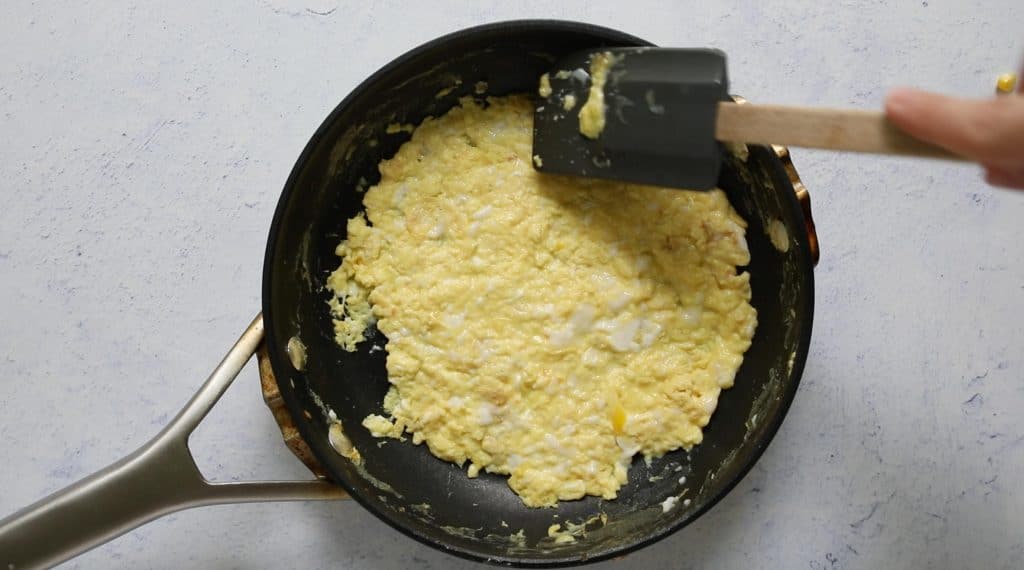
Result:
{"points": [[160, 477]]}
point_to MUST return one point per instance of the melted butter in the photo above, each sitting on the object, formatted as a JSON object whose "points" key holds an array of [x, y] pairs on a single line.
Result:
{"points": [[543, 332]]}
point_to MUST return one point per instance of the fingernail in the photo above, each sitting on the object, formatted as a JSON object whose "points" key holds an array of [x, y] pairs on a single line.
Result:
{"points": [[898, 99]]}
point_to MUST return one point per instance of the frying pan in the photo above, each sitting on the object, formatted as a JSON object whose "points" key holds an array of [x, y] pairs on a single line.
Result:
{"points": [[401, 483]]}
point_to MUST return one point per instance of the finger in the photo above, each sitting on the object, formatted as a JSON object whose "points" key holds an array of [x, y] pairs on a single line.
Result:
{"points": [[1004, 178], [985, 130]]}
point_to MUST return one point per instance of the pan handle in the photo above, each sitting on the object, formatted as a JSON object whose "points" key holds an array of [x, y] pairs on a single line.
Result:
{"points": [[159, 478]]}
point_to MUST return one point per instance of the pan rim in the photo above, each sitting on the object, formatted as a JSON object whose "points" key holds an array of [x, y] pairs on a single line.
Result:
{"points": [[318, 448]]}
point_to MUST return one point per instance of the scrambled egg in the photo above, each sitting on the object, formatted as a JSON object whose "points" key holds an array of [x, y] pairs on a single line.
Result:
{"points": [[592, 112], [543, 327], [545, 86]]}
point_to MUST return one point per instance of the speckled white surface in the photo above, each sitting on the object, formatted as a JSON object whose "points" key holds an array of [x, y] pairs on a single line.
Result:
{"points": [[143, 148]]}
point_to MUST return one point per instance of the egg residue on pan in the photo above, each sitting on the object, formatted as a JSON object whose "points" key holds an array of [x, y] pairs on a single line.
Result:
{"points": [[548, 328], [591, 115]]}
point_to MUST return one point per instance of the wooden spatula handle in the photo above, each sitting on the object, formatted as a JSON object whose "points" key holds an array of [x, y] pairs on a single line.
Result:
{"points": [[808, 127]]}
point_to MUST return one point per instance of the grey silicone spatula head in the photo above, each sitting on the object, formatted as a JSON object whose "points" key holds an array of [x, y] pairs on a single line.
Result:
{"points": [[658, 107]]}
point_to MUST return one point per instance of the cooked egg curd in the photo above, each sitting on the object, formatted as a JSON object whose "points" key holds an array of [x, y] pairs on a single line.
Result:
{"points": [[543, 327], [592, 114]]}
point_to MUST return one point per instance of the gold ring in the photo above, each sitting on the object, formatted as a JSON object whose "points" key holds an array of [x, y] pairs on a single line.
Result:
{"points": [[1006, 83]]}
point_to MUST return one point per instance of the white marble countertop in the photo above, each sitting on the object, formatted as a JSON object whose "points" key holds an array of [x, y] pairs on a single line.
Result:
{"points": [[143, 149]]}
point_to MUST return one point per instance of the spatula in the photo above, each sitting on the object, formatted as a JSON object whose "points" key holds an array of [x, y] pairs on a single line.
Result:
{"points": [[658, 115]]}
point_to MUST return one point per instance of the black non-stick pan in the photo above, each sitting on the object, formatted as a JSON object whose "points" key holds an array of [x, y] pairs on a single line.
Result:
{"points": [[403, 484]]}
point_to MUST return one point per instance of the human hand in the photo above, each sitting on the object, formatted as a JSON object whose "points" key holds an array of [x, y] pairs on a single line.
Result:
{"points": [[990, 132]]}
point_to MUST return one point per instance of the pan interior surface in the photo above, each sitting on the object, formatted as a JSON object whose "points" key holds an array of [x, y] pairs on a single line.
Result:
{"points": [[403, 484]]}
